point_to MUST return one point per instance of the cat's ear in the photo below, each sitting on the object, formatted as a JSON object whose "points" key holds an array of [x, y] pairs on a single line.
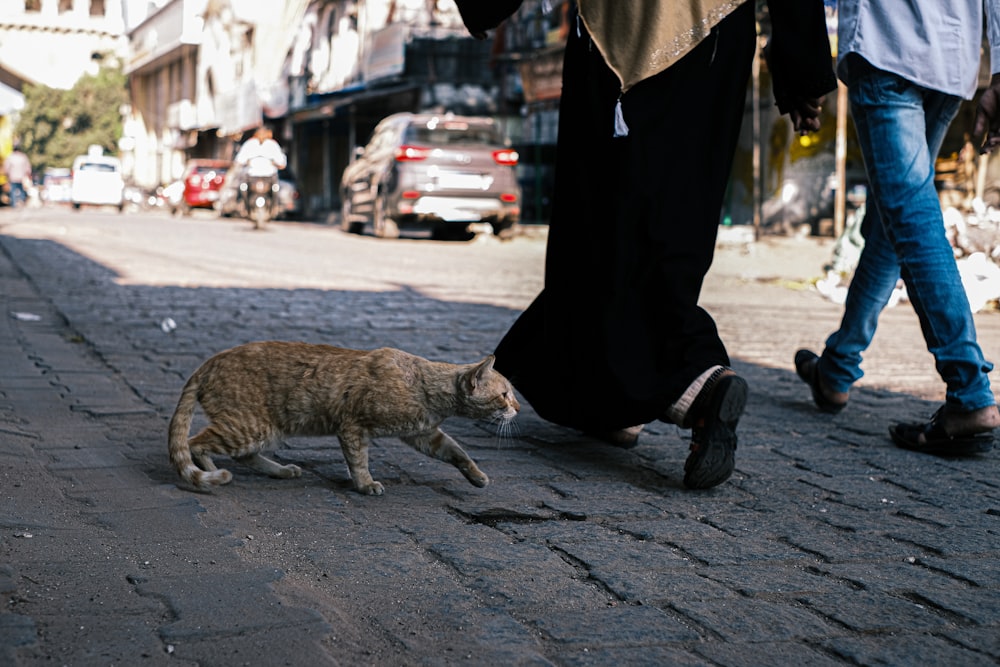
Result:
{"points": [[480, 371]]}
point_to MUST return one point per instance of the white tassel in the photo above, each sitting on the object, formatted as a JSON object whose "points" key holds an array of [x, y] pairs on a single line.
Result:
{"points": [[621, 129]]}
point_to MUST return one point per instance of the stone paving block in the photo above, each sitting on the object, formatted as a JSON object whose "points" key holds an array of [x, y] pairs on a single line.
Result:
{"points": [[949, 542], [67, 433], [645, 656], [292, 646], [764, 654], [983, 572], [980, 606], [532, 591], [904, 650], [136, 498], [769, 579], [507, 465], [154, 527], [220, 605], [953, 516], [712, 546], [619, 626], [868, 612], [741, 620], [368, 565], [982, 641], [15, 445], [517, 500], [840, 546], [84, 457], [473, 555], [595, 498], [893, 577], [459, 632], [647, 585], [76, 590], [17, 632], [594, 547], [112, 477]]}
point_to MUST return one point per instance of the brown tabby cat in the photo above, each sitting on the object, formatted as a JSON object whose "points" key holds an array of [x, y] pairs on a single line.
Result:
{"points": [[258, 393]]}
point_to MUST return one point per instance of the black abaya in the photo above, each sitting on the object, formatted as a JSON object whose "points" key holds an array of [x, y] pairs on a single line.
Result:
{"points": [[617, 334]]}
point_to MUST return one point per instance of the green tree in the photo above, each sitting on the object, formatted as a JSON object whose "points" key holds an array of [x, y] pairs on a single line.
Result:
{"points": [[55, 125]]}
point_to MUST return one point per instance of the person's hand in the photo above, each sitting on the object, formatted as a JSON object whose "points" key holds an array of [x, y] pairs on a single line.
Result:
{"points": [[986, 130], [805, 114]]}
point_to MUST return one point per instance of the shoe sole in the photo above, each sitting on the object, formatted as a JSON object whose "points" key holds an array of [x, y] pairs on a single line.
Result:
{"points": [[712, 462]]}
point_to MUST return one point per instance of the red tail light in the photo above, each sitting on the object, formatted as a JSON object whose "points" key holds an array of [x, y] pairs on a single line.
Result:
{"points": [[508, 198], [506, 157], [410, 194], [407, 153]]}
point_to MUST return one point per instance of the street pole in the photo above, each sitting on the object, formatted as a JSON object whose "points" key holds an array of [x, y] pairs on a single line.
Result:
{"points": [[840, 200], [755, 101]]}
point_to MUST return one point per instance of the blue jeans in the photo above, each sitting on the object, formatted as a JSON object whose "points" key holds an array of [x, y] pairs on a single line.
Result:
{"points": [[17, 194], [900, 128]]}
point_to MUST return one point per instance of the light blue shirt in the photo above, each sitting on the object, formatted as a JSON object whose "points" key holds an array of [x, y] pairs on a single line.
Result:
{"points": [[933, 43]]}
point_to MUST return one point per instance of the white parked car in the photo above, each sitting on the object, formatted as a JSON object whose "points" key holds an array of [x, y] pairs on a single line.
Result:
{"points": [[97, 180]]}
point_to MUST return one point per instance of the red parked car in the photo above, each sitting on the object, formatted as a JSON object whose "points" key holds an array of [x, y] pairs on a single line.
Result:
{"points": [[202, 179]]}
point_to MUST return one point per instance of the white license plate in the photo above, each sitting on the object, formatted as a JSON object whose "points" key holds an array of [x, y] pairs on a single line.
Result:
{"points": [[463, 182]]}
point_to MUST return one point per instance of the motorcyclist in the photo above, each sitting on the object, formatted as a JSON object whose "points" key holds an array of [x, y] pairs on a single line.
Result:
{"points": [[260, 158], [261, 155]]}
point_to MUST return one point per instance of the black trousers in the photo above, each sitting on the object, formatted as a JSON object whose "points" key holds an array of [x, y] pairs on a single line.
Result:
{"points": [[617, 334]]}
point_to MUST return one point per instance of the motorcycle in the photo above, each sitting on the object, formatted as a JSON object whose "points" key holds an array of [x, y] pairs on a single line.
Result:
{"points": [[259, 193]]}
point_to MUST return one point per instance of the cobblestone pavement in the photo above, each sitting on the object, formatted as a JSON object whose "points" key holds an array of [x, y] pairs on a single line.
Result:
{"points": [[827, 547]]}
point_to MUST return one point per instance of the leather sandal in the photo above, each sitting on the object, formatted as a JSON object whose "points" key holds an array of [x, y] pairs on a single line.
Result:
{"points": [[807, 368], [972, 435]]}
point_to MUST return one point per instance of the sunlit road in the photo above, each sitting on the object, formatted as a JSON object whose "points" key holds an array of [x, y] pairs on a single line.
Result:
{"points": [[204, 250]]}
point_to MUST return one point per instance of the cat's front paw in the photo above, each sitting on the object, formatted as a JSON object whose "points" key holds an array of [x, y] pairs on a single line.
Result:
{"points": [[290, 471], [373, 489], [475, 476]]}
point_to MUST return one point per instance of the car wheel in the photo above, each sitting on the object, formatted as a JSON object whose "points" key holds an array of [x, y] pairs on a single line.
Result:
{"points": [[384, 226], [346, 222]]}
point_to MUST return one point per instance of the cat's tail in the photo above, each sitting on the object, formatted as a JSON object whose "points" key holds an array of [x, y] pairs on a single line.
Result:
{"points": [[179, 446]]}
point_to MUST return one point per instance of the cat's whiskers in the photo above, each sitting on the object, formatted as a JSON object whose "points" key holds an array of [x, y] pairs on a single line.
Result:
{"points": [[505, 429]]}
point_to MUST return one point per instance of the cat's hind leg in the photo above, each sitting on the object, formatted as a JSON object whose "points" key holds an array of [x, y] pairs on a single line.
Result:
{"points": [[202, 446], [440, 445], [270, 468], [355, 448]]}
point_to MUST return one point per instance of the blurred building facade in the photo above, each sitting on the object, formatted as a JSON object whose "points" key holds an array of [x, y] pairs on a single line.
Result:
{"points": [[322, 73], [53, 43]]}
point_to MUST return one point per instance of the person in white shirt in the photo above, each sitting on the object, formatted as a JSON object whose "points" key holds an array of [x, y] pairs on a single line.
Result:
{"points": [[907, 65], [261, 155]]}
